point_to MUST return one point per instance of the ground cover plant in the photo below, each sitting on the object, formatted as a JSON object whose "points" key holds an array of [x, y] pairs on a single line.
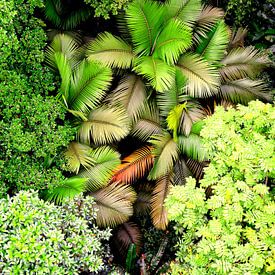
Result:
{"points": [[226, 225]]}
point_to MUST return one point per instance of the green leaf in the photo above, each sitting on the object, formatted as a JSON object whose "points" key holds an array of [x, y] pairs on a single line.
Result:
{"points": [[144, 19], [131, 258], [110, 50], [213, 46], [157, 72], [174, 39]]}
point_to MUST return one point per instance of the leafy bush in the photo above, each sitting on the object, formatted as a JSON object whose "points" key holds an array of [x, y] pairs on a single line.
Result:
{"points": [[230, 229], [33, 129], [41, 238]]}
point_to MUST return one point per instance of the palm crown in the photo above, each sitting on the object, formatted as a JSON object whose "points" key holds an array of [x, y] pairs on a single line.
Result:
{"points": [[183, 61]]}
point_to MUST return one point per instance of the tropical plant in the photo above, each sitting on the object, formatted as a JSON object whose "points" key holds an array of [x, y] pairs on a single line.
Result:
{"points": [[41, 238], [183, 62], [230, 230]]}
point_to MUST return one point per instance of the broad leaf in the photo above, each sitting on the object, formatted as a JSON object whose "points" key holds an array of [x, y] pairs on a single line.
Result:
{"points": [[106, 160], [159, 74], [173, 40], [160, 192], [89, 83], [78, 154], [135, 166], [203, 80], [110, 50], [104, 125], [144, 19], [166, 152], [114, 204]]}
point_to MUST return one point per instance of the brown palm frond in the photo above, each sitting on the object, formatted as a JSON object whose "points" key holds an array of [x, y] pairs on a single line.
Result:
{"points": [[237, 38], [125, 235], [181, 172], [196, 167], [142, 204], [161, 190], [135, 166], [114, 204]]}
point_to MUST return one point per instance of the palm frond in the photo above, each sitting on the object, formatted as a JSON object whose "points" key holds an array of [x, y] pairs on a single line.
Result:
{"points": [[78, 154], [159, 74], [148, 123], [126, 234], [131, 93], [144, 19], [243, 62], [181, 172], [89, 83], [114, 204], [237, 38], [185, 10], [160, 192], [104, 125], [192, 147], [52, 11], [110, 50], [165, 151], [175, 95], [191, 113], [244, 90], [142, 205], [196, 167], [203, 79], [212, 46], [106, 160], [66, 189], [174, 39], [65, 44], [135, 166]]}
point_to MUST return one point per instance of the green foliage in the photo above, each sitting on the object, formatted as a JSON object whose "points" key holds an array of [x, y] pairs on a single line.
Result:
{"points": [[231, 229], [105, 8], [41, 238], [33, 127]]}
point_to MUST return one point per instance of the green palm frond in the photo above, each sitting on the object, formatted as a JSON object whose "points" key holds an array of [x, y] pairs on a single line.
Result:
{"points": [[160, 192], [157, 72], [181, 172], [89, 83], [66, 189], [106, 160], [131, 93], [185, 10], [243, 62], [65, 72], [78, 154], [65, 44], [171, 98], [244, 90], [212, 46], [192, 147], [104, 125], [165, 151], [203, 80], [174, 39], [148, 123], [64, 18], [114, 204], [144, 20], [110, 50]]}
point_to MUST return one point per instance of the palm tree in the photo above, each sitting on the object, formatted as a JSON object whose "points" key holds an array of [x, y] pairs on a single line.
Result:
{"points": [[183, 60]]}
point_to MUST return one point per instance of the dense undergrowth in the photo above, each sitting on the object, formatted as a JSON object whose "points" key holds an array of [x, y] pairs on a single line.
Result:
{"points": [[114, 110]]}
